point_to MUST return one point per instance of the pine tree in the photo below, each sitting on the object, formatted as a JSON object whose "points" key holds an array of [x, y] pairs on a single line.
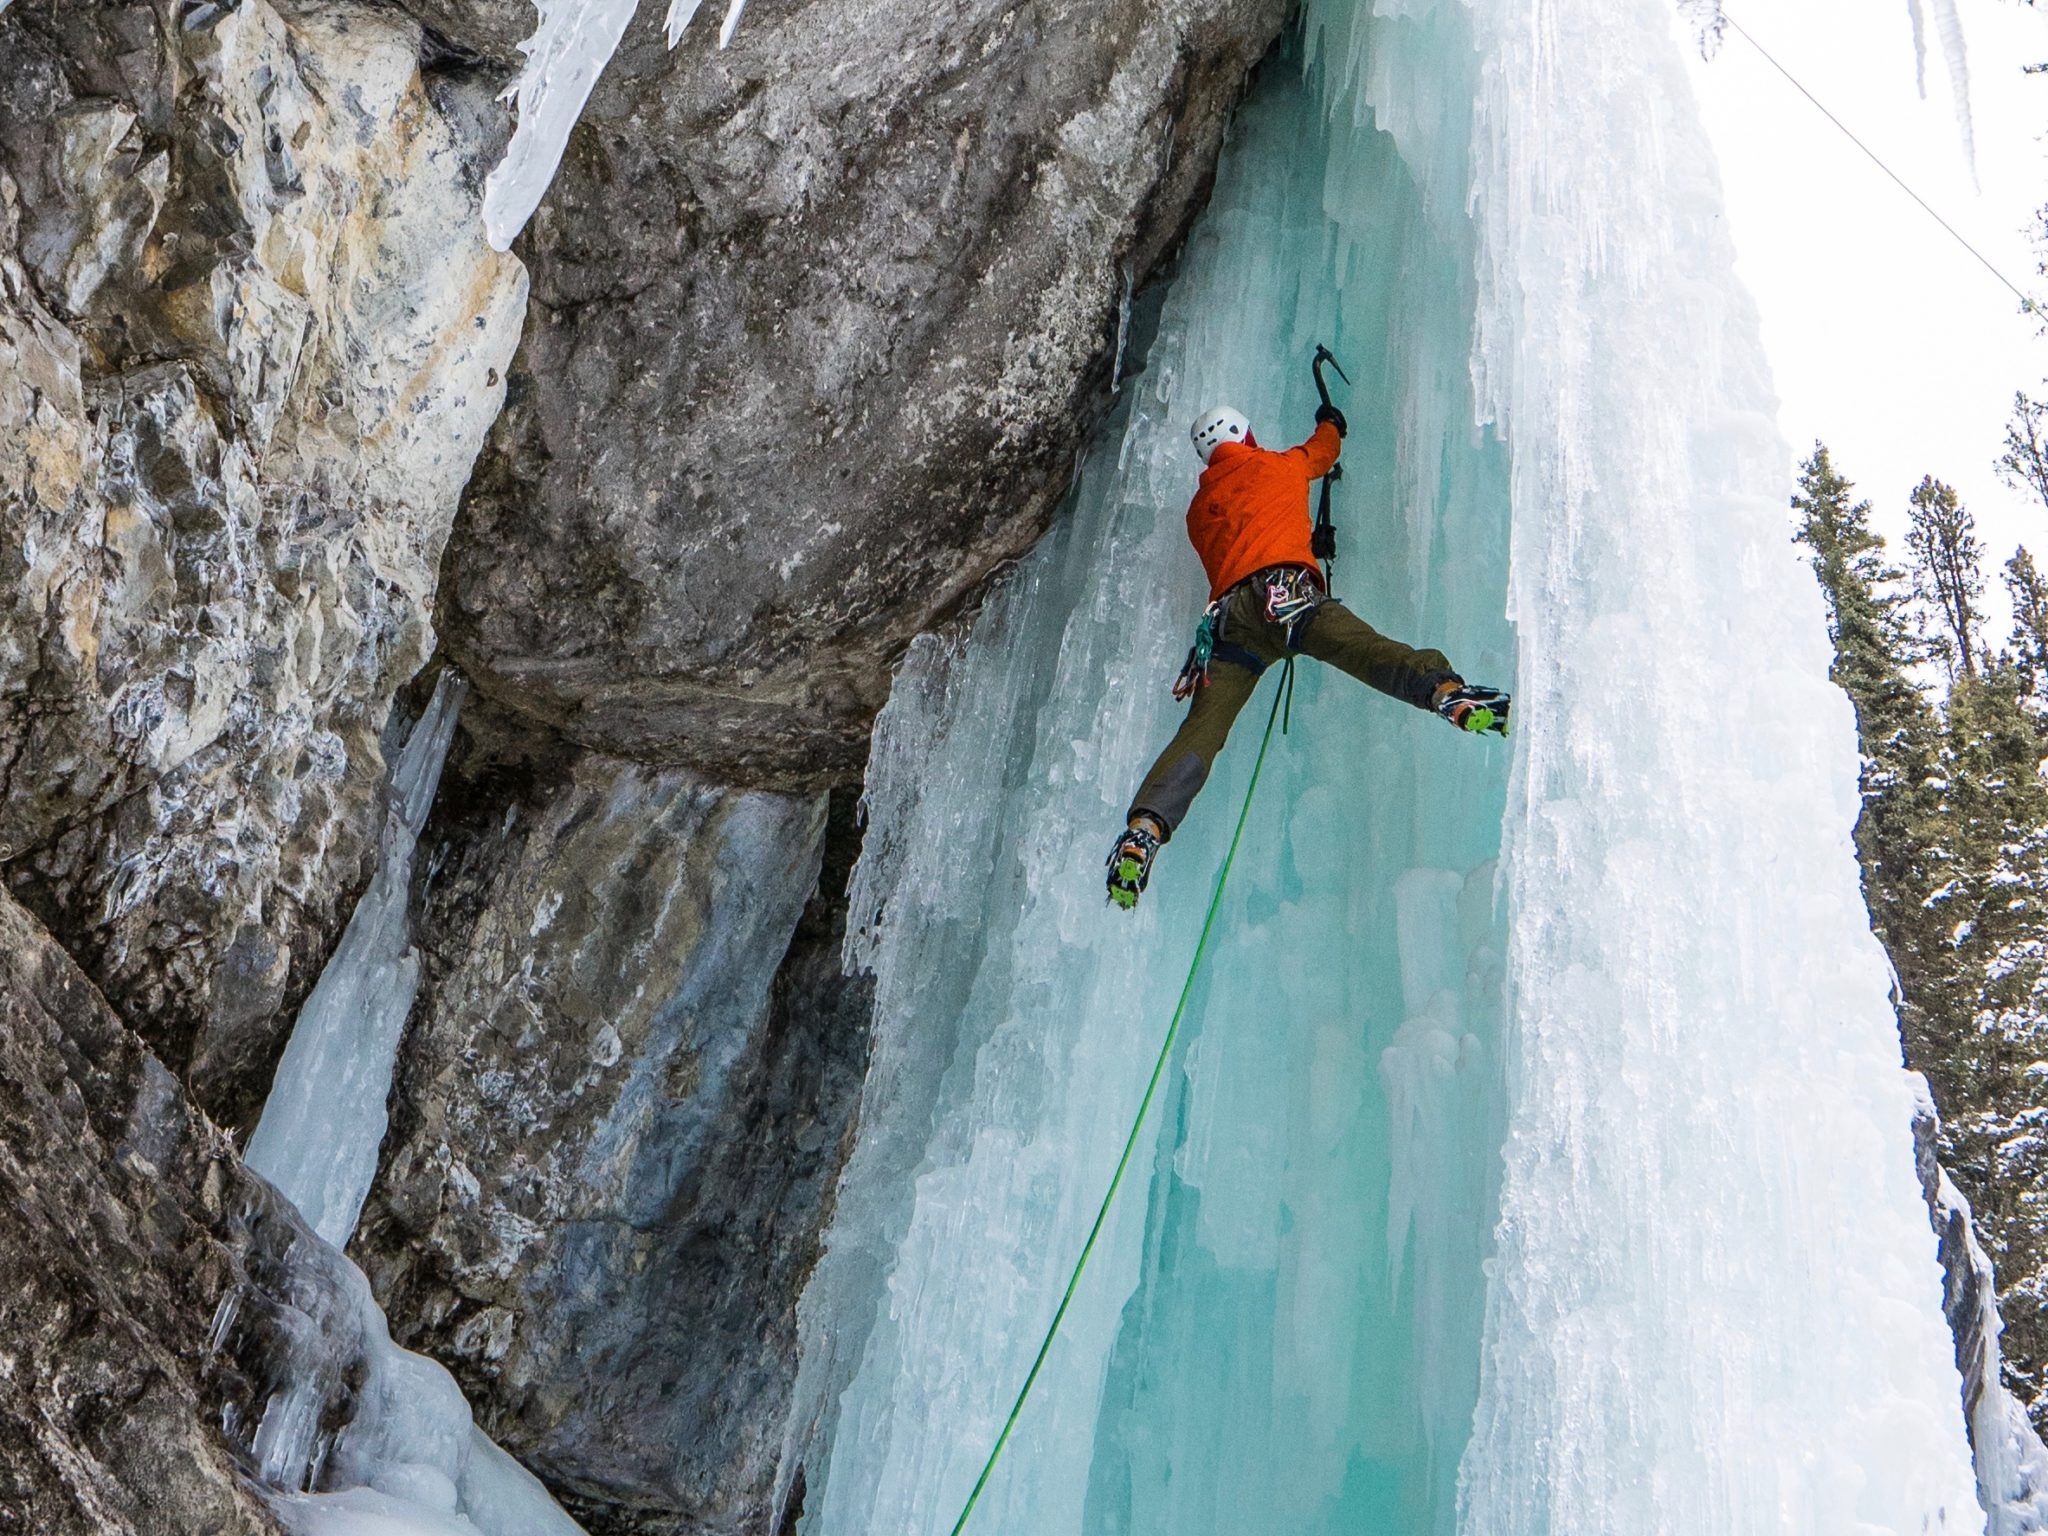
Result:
{"points": [[1954, 843], [2029, 591], [1941, 535], [1877, 646]]}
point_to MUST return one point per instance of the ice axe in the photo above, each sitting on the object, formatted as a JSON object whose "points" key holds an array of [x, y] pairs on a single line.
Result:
{"points": [[1323, 541]]}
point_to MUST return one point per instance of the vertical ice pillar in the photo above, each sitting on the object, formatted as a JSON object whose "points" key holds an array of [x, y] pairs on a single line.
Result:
{"points": [[1715, 1307], [324, 1120]]}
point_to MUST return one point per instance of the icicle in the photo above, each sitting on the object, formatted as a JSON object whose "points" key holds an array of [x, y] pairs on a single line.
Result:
{"points": [[569, 49], [1919, 20], [570, 46], [318, 1138], [680, 14], [733, 13], [1955, 53]]}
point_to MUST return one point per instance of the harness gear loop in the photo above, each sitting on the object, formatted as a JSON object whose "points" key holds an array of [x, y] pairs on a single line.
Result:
{"points": [[1123, 1162], [1194, 672]]}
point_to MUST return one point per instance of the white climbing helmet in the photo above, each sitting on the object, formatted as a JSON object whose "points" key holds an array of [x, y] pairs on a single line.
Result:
{"points": [[1218, 425]]}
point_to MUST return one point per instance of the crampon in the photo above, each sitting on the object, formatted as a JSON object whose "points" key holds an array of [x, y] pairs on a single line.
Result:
{"points": [[1130, 866], [1476, 709]]}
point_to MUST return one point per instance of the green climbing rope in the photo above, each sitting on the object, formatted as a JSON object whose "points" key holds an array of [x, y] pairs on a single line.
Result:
{"points": [[1284, 692]]}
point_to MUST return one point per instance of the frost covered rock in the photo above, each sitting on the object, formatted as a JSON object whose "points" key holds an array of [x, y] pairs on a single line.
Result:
{"points": [[620, 1109], [819, 324], [251, 338]]}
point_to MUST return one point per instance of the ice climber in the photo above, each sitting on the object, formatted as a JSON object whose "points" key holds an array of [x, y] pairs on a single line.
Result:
{"points": [[1267, 599]]}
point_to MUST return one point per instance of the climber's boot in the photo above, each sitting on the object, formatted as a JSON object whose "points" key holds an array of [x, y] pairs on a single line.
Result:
{"points": [[1130, 864], [1474, 709]]}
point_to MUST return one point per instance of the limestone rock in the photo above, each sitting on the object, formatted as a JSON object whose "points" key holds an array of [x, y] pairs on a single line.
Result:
{"points": [[617, 1127], [819, 325], [250, 341]]}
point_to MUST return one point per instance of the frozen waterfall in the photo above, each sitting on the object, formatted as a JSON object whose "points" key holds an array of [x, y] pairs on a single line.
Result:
{"points": [[324, 1119], [1537, 1160]]}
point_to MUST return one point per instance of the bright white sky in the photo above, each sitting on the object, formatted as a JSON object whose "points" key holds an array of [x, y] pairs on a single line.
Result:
{"points": [[1888, 341]]}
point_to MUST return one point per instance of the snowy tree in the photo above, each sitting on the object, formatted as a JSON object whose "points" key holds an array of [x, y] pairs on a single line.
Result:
{"points": [[1941, 536], [2029, 592], [1984, 996], [1954, 844], [1877, 648]]}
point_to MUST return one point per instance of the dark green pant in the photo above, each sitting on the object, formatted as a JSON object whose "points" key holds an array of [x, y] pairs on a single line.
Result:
{"points": [[1333, 634]]}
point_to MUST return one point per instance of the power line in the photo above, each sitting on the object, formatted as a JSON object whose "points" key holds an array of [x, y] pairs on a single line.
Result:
{"points": [[2025, 302]]}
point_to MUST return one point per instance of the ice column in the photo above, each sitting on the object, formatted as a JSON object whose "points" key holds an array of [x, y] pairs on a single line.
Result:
{"points": [[324, 1120], [1715, 1306]]}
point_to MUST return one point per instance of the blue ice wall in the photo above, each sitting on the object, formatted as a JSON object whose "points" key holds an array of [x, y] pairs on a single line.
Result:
{"points": [[1281, 1330]]}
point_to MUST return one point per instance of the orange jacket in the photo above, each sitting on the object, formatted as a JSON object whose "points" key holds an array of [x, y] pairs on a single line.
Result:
{"points": [[1251, 510]]}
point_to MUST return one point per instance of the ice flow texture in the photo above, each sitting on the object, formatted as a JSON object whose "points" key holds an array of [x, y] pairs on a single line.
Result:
{"points": [[1714, 1306]]}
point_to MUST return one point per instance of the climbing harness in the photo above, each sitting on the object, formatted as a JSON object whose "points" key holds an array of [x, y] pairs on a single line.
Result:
{"points": [[1322, 543], [1282, 709], [1293, 594]]}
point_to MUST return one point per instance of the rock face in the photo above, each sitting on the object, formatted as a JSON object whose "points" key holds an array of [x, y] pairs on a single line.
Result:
{"points": [[150, 1287], [250, 341], [819, 324], [617, 1126]]}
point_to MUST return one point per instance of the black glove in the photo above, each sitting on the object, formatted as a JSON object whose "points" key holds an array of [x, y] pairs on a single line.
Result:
{"points": [[1322, 541], [1333, 416]]}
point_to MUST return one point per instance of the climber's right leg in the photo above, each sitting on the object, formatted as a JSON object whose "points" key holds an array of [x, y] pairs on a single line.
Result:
{"points": [[1424, 678]]}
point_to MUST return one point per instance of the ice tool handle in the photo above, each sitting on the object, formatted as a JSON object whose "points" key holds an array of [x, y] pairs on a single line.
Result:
{"points": [[1323, 542]]}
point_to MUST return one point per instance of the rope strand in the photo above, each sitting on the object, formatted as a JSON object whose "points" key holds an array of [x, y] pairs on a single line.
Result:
{"points": [[1144, 1109]]}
